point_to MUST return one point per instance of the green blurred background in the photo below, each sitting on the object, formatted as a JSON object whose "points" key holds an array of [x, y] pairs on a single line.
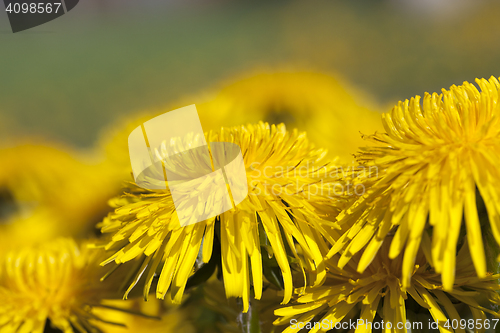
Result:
{"points": [[70, 78]]}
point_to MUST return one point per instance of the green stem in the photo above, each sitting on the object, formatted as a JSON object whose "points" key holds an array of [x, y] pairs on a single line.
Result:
{"points": [[250, 322]]}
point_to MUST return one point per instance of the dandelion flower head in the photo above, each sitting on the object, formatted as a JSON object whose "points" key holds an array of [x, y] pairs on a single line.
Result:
{"points": [[437, 165], [280, 211]]}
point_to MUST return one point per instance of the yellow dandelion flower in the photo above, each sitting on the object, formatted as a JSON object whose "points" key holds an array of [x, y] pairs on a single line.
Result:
{"points": [[286, 191], [58, 281], [433, 165], [376, 299]]}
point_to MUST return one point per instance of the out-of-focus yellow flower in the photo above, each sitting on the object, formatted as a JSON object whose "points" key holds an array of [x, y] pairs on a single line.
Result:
{"points": [[433, 166], [332, 113], [288, 184], [170, 319], [350, 295], [47, 192], [57, 281]]}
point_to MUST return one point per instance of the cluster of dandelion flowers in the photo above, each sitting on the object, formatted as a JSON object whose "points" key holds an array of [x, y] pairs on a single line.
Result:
{"points": [[280, 204], [58, 281], [436, 165], [375, 299]]}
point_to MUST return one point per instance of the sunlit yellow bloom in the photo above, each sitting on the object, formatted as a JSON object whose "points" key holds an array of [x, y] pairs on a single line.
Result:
{"points": [[286, 190], [46, 192], [378, 291], [434, 163], [57, 281]]}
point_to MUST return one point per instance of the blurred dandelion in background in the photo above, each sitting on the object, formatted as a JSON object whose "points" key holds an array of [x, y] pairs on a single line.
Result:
{"points": [[328, 109], [331, 112]]}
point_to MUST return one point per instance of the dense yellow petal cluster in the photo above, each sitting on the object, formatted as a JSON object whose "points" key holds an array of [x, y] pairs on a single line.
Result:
{"points": [[376, 299], [58, 281], [436, 165], [289, 198], [409, 233]]}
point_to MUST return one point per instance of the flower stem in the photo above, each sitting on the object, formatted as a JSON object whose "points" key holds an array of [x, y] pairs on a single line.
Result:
{"points": [[250, 322]]}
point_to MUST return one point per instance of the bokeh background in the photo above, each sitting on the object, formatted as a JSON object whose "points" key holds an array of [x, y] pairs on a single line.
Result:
{"points": [[67, 80]]}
